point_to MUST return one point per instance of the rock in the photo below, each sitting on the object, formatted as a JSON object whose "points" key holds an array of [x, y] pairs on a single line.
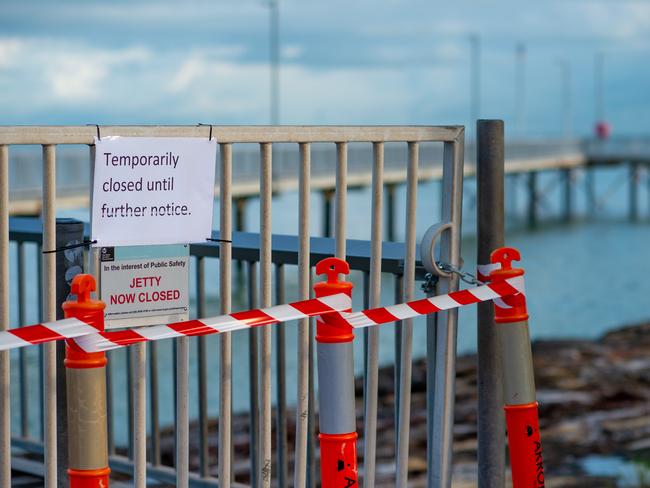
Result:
{"points": [[594, 399]]}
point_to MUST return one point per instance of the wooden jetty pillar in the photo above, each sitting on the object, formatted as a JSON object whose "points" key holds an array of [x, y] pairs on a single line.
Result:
{"points": [[532, 199], [328, 200], [590, 189], [240, 226], [634, 191], [513, 201], [240, 214], [567, 176], [390, 211]]}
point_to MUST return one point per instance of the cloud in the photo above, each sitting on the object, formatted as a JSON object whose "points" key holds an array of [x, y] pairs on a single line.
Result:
{"points": [[401, 61], [62, 71], [71, 80], [9, 49]]}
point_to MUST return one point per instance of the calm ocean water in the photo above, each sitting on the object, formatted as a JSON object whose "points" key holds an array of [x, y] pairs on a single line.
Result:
{"points": [[582, 279]]}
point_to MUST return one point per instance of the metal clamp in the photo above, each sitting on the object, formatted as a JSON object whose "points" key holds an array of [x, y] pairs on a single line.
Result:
{"points": [[428, 249], [437, 269]]}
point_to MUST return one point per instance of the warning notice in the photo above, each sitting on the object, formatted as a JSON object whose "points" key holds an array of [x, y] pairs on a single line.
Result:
{"points": [[152, 190], [144, 290]]}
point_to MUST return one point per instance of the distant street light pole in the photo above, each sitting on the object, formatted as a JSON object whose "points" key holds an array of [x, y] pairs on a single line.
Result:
{"points": [[602, 127], [475, 78], [520, 88], [565, 74], [599, 78], [274, 54]]}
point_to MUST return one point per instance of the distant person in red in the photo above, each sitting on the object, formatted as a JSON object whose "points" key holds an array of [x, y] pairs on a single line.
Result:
{"points": [[603, 130]]}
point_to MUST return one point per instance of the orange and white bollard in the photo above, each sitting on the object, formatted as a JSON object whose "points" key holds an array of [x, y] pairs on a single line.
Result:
{"points": [[522, 418], [337, 419], [86, 386]]}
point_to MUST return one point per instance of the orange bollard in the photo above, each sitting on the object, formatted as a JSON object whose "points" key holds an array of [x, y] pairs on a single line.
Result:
{"points": [[337, 419], [522, 417], [86, 381]]}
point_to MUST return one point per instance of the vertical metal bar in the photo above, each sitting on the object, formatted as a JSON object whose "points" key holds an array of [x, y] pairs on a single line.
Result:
{"points": [[94, 263], [153, 403], [23, 359], [312, 478], [265, 301], [253, 354], [366, 306], [302, 402], [490, 224], [110, 356], [445, 360], [41, 353], [341, 197], [92, 255], [182, 415], [175, 383], [372, 379], [5, 380], [398, 297], [281, 379], [225, 283], [204, 460], [129, 400], [139, 361], [49, 312], [406, 342], [432, 327]]}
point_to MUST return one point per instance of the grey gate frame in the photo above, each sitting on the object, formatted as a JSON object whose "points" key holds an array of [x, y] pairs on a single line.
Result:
{"points": [[441, 356]]}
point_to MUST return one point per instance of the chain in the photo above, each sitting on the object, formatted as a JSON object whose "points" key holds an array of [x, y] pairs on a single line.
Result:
{"points": [[430, 279], [468, 278]]}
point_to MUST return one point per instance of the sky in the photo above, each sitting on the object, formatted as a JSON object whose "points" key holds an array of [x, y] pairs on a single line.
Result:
{"points": [[342, 62]]}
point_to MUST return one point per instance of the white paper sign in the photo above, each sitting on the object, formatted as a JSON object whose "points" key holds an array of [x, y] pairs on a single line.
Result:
{"points": [[144, 285], [152, 190]]}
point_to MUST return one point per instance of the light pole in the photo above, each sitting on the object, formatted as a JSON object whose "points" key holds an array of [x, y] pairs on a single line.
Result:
{"points": [[520, 88], [475, 78], [599, 78], [274, 55], [565, 74]]}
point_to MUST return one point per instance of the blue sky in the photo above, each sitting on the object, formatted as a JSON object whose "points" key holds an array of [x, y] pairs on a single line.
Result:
{"points": [[379, 62]]}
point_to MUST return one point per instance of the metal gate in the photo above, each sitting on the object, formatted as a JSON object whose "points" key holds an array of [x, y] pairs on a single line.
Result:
{"points": [[268, 464]]}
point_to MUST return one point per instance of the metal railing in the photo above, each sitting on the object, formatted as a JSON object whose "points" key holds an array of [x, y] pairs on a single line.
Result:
{"points": [[521, 156], [267, 254]]}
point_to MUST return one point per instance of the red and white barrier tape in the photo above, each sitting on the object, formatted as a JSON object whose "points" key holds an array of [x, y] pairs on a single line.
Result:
{"points": [[46, 332], [483, 271], [243, 320], [104, 341], [392, 313], [87, 337]]}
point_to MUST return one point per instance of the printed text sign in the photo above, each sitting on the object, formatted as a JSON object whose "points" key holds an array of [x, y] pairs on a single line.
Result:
{"points": [[152, 190], [144, 285]]}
